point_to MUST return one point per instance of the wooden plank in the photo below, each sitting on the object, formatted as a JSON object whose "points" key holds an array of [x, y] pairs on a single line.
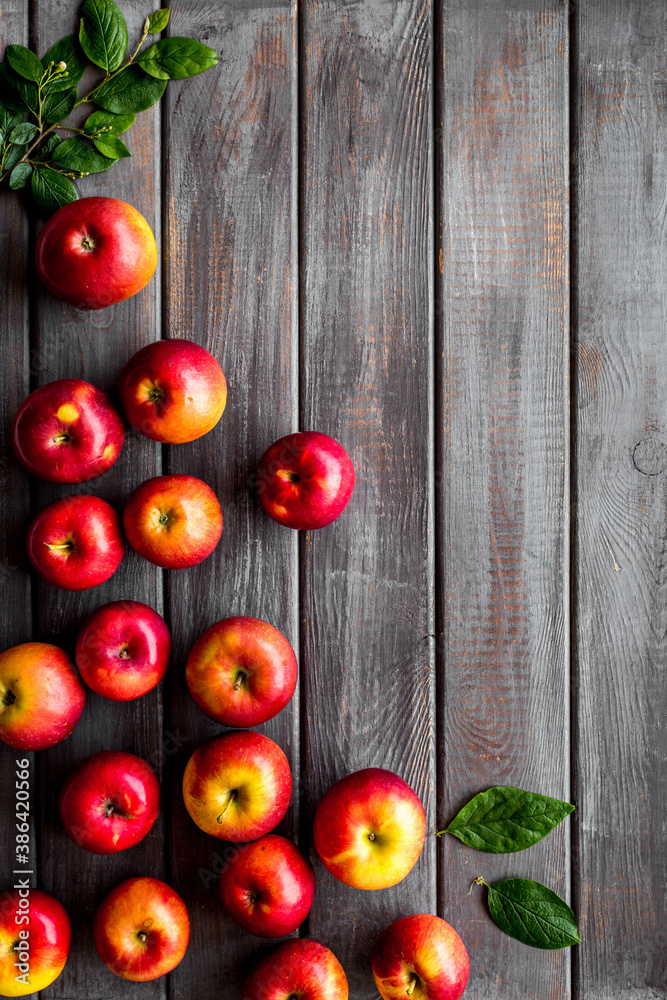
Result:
{"points": [[94, 346], [503, 454], [367, 289], [15, 610], [621, 490], [230, 285]]}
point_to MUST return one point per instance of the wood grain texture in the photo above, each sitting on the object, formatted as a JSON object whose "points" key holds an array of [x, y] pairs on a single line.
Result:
{"points": [[503, 455], [15, 606], [366, 379], [621, 498], [94, 345], [230, 251]]}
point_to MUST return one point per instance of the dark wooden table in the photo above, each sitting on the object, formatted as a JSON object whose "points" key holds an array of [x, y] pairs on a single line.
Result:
{"points": [[435, 231]]}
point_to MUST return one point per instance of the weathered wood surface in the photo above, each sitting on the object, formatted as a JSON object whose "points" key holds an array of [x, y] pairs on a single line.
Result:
{"points": [[620, 528], [367, 581], [503, 455], [293, 192], [231, 284]]}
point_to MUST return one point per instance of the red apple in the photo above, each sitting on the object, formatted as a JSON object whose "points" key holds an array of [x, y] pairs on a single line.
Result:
{"points": [[41, 697], [268, 887], [420, 956], [173, 391], [109, 802], [76, 542], [241, 671], [35, 935], [67, 432], [369, 829], [123, 650], [95, 252], [297, 968], [305, 480], [173, 521], [142, 929], [237, 786]]}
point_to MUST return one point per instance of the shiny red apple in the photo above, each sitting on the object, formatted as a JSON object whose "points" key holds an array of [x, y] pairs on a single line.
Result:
{"points": [[173, 521], [268, 887], [305, 480], [420, 956], [298, 968], [123, 650], [141, 929], [41, 696], [76, 542], [95, 252], [109, 802], [237, 786], [173, 391], [67, 432], [369, 829], [35, 936], [241, 671]]}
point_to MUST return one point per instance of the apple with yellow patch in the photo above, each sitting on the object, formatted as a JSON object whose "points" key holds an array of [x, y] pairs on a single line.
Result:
{"points": [[67, 432], [369, 829]]}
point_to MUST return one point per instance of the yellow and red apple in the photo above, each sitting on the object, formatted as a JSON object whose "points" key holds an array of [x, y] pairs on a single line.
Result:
{"points": [[173, 391], [305, 480], [369, 829], [141, 929], [173, 521], [35, 936], [237, 786], [420, 956], [297, 968], [67, 432], [123, 650], [76, 542], [241, 671], [268, 887], [41, 696], [95, 252]]}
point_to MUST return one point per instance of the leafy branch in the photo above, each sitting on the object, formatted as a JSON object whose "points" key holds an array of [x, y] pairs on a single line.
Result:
{"points": [[45, 90]]}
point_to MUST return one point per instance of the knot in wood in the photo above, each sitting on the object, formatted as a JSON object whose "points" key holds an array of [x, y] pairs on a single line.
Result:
{"points": [[650, 456]]}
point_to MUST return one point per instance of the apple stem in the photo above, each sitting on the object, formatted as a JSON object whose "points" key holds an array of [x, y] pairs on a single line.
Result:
{"points": [[60, 546], [231, 795], [414, 979], [61, 438], [143, 936]]}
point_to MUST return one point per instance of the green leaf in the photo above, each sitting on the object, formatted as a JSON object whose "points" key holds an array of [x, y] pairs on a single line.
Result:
{"points": [[17, 94], [129, 92], [20, 176], [103, 34], [23, 134], [57, 106], [14, 154], [111, 146], [9, 118], [51, 190], [505, 819], [67, 50], [48, 147], [177, 58], [158, 21], [532, 913], [79, 156], [25, 63], [105, 120]]}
